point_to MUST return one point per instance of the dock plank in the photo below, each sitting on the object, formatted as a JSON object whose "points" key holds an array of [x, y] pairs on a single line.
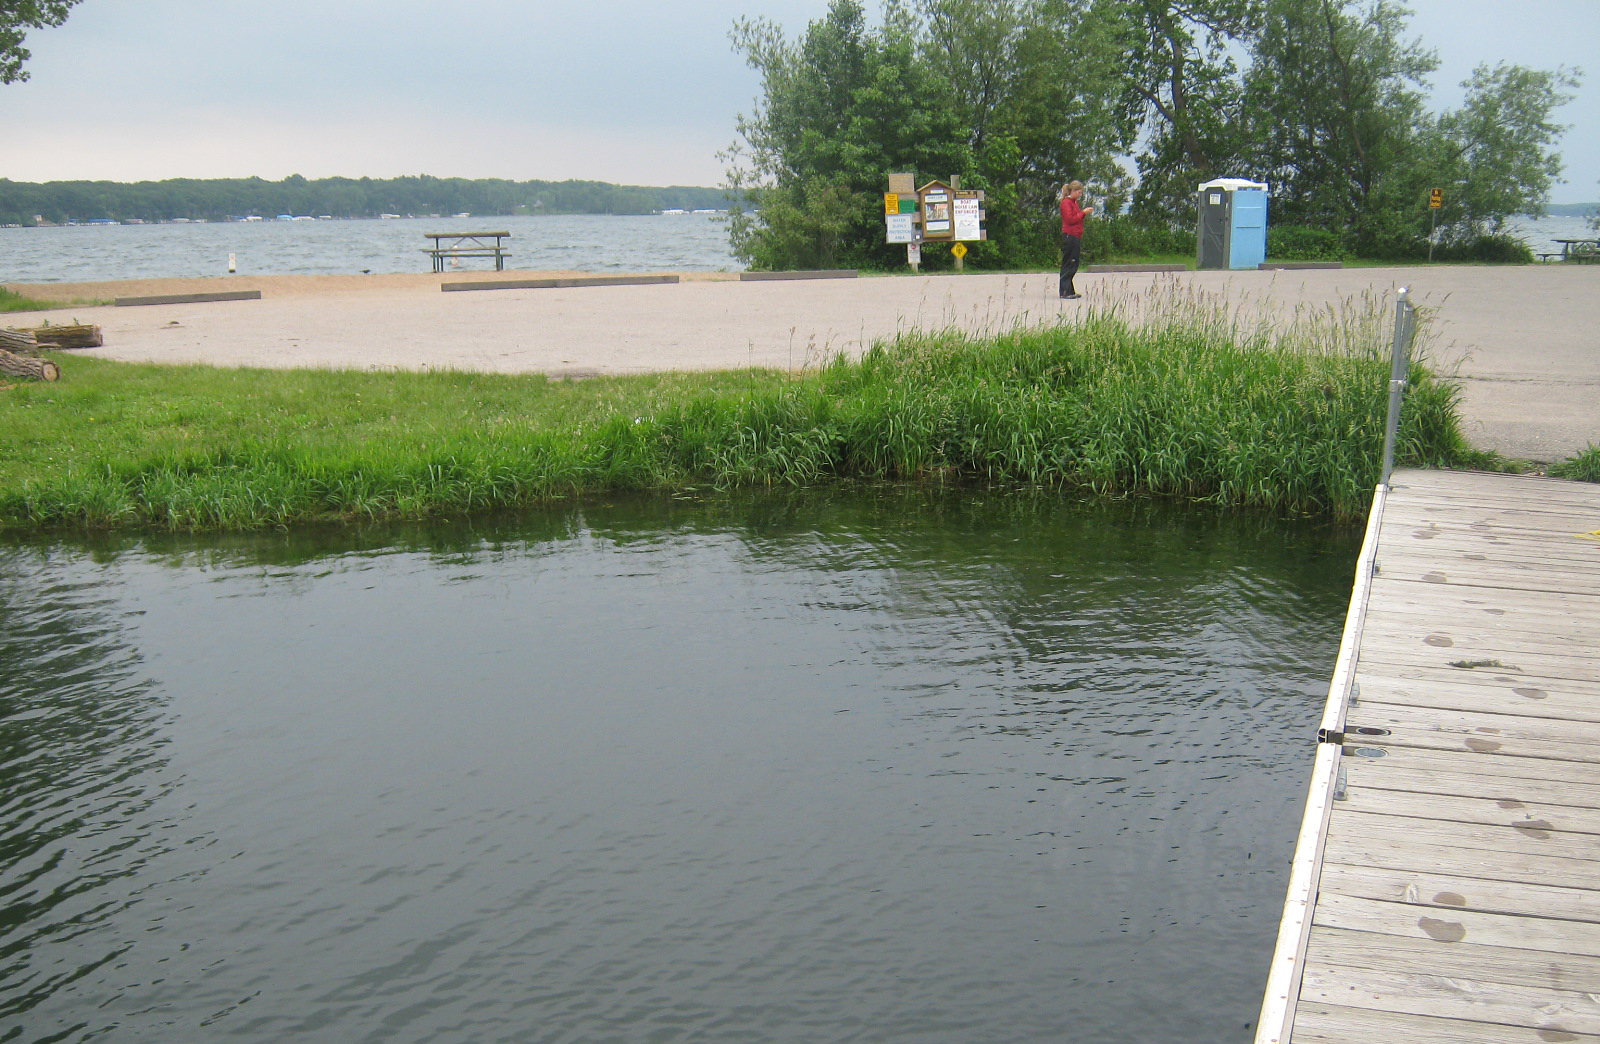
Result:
{"points": [[1446, 891], [1510, 724], [1505, 746], [1539, 934], [1462, 960], [1392, 850], [1492, 764], [1523, 816], [1537, 1008], [1337, 1024], [1375, 775], [1533, 701], [1505, 841]]}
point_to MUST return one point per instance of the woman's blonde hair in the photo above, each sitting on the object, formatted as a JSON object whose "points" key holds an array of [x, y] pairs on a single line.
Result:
{"points": [[1073, 186]]}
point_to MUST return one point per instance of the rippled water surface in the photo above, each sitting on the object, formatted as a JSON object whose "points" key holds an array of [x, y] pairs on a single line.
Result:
{"points": [[578, 242], [877, 767]]}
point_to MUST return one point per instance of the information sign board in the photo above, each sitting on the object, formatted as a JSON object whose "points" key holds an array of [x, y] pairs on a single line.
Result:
{"points": [[1436, 199]]}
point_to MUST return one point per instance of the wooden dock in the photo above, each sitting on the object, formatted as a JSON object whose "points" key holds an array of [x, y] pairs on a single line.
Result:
{"points": [[1446, 884]]}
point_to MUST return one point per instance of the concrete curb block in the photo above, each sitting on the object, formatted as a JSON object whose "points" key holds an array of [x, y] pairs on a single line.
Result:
{"points": [[1136, 268], [1295, 266], [226, 295], [821, 273], [549, 284]]}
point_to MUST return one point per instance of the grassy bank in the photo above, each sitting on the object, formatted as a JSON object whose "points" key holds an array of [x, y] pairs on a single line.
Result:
{"points": [[1191, 401], [11, 301]]}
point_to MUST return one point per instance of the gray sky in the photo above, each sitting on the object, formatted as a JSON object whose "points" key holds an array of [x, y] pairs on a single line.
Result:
{"points": [[617, 90]]}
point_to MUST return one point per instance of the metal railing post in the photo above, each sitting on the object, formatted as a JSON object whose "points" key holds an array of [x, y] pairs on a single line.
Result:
{"points": [[1405, 325]]}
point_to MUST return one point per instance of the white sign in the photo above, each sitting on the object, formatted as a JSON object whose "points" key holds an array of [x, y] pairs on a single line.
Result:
{"points": [[913, 253], [966, 219], [900, 228]]}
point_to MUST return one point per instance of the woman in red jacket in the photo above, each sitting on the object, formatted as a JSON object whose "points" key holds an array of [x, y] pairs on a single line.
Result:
{"points": [[1072, 216]]}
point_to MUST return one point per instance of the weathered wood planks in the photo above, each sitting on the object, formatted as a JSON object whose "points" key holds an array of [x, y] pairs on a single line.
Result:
{"points": [[1457, 895]]}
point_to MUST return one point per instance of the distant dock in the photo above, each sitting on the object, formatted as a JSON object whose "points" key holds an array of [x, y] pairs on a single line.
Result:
{"points": [[1446, 884]]}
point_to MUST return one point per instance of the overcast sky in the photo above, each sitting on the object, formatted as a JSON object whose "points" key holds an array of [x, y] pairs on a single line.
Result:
{"points": [[615, 90]]}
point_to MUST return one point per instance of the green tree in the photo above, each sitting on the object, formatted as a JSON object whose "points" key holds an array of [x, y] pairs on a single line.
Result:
{"points": [[1033, 85], [1498, 151], [1180, 84], [1010, 95], [1338, 125], [1337, 121], [839, 109], [16, 18]]}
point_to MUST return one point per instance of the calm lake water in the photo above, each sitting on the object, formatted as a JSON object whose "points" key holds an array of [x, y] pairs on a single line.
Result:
{"points": [[583, 243], [871, 766]]}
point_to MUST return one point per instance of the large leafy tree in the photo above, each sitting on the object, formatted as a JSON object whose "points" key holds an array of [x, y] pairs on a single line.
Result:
{"points": [[1324, 99], [1005, 93], [839, 109], [1496, 154], [1181, 84], [1031, 82], [1338, 126], [16, 18]]}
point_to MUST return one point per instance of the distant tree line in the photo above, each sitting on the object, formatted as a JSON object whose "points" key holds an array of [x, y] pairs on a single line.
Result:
{"points": [[219, 199], [1322, 99]]}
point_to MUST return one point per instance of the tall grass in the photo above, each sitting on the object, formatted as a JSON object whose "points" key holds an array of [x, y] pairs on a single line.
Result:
{"points": [[1176, 395], [11, 301], [1583, 466]]}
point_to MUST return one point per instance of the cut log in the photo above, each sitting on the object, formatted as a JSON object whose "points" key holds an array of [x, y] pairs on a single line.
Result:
{"points": [[32, 369], [80, 335], [18, 341]]}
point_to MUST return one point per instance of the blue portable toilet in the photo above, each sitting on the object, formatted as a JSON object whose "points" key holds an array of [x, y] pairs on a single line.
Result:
{"points": [[1233, 224]]}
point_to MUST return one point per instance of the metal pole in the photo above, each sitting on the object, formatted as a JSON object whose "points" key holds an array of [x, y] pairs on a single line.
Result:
{"points": [[1399, 366], [1433, 218]]}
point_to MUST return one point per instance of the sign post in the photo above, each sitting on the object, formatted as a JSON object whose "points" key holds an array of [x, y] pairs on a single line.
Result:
{"points": [[1435, 201]]}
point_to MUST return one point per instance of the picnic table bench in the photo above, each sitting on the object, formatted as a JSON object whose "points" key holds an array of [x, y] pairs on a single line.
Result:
{"points": [[1577, 250], [454, 245]]}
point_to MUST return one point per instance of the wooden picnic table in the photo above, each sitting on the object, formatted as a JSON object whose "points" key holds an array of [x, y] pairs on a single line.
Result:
{"points": [[454, 245], [1579, 249]]}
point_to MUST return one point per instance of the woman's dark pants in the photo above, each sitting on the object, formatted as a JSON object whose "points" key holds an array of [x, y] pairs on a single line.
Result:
{"points": [[1071, 251]]}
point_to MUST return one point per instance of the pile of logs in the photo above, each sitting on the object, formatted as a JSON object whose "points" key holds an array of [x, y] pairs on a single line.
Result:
{"points": [[19, 349]]}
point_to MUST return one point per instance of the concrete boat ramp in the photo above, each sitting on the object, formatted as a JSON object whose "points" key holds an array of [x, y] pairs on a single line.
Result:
{"points": [[1446, 883]]}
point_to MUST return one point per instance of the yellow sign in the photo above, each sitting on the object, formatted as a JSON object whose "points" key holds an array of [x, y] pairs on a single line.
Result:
{"points": [[891, 202], [960, 250], [1436, 199]]}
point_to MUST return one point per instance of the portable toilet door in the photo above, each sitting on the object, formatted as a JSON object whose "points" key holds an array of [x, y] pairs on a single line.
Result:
{"points": [[1232, 230], [1216, 217], [1248, 245]]}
